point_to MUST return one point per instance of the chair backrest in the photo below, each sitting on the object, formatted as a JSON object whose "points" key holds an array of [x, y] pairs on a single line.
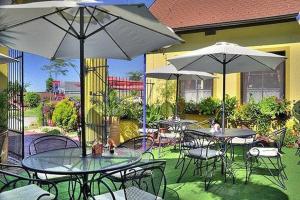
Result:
{"points": [[51, 142], [143, 177], [280, 136], [195, 139], [138, 142]]}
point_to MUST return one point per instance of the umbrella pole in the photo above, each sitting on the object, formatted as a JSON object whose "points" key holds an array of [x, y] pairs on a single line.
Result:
{"points": [[177, 95], [224, 93], [82, 82], [144, 104]]}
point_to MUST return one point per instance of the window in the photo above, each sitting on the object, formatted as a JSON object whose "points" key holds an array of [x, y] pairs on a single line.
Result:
{"points": [[264, 84], [196, 90]]}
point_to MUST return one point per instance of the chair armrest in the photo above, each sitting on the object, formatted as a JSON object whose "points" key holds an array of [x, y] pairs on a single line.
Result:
{"points": [[10, 180]]}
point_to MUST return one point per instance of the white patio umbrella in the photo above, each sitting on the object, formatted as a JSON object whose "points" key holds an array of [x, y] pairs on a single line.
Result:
{"points": [[6, 59], [70, 29], [170, 72], [226, 58]]}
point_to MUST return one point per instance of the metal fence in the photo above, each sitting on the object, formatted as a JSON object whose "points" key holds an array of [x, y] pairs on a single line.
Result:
{"points": [[126, 87]]}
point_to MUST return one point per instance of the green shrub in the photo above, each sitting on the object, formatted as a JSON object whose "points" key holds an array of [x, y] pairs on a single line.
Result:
{"points": [[209, 106], [131, 109], [3, 111], [191, 107], [40, 116], [153, 114], [32, 99], [166, 109], [65, 115], [114, 108]]}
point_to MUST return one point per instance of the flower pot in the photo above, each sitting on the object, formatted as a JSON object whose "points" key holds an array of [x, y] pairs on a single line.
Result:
{"points": [[3, 146], [114, 129]]}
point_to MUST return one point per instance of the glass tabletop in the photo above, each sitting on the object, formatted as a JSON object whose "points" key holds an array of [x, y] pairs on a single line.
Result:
{"points": [[70, 161], [176, 122], [229, 132]]}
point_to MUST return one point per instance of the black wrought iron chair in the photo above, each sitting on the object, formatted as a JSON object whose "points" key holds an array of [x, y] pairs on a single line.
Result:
{"points": [[144, 144], [15, 186], [187, 143], [270, 158], [144, 185], [48, 143], [137, 144], [51, 142], [245, 142], [204, 150]]}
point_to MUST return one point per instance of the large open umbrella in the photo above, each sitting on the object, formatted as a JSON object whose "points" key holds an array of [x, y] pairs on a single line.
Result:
{"points": [[171, 73], [69, 29], [6, 59], [225, 58]]}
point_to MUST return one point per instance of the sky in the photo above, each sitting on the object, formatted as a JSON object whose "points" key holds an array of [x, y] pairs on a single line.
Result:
{"points": [[35, 77]]}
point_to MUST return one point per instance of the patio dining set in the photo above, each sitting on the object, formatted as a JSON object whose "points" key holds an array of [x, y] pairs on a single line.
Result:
{"points": [[80, 29]]}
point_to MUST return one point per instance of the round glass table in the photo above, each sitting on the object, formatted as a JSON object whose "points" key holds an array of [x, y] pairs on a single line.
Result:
{"points": [[70, 162], [229, 132]]}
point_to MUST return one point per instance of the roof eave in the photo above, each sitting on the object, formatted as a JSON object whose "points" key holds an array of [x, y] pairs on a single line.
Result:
{"points": [[238, 24]]}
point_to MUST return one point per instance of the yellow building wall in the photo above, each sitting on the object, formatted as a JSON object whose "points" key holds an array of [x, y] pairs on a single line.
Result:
{"points": [[275, 37], [93, 103], [3, 71]]}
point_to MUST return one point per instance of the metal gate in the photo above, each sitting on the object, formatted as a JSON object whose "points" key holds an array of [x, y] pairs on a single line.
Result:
{"points": [[16, 105], [96, 99]]}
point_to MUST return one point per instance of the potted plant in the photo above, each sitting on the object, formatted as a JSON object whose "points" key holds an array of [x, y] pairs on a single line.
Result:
{"points": [[3, 127], [114, 113]]}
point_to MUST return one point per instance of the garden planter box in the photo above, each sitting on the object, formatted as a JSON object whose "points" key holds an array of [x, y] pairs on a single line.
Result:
{"points": [[3, 146], [199, 118], [128, 129]]}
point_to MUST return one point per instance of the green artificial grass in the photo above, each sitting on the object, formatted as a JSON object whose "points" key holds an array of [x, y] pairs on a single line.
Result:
{"points": [[191, 187]]}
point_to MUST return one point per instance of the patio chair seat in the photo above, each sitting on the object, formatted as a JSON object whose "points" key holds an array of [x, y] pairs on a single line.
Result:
{"points": [[170, 135], [28, 192], [204, 153], [135, 172], [196, 143], [264, 152], [44, 176], [242, 141], [132, 193]]}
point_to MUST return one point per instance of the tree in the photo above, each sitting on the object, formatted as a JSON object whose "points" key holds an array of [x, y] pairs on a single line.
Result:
{"points": [[135, 75], [32, 99], [58, 67], [49, 84]]}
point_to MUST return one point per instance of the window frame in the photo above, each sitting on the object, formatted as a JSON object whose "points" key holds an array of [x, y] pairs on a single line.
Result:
{"points": [[243, 99]]}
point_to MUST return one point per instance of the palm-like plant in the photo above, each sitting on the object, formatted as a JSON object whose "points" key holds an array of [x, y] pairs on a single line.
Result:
{"points": [[59, 67], [135, 75]]}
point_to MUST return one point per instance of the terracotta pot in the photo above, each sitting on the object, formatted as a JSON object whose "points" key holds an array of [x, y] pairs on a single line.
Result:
{"points": [[3, 146], [114, 129]]}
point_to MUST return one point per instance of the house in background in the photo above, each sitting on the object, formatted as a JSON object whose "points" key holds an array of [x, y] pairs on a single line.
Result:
{"points": [[268, 25]]}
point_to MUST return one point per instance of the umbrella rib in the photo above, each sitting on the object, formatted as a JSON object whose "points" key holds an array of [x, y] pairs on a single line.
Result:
{"points": [[170, 76], [90, 20], [139, 25], [61, 28], [28, 21], [233, 58], [200, 77], [103, 28], [215, 58], [191, 62], [260, 63], [70, 25], [64, 36]]}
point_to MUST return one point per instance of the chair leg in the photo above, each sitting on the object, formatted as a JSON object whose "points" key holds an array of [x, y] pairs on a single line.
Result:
{"points": [[179, 160], [209, 173], [183, 170]]}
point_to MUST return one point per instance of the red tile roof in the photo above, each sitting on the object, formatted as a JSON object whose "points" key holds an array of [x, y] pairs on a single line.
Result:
{"points": [[189, 13]]}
